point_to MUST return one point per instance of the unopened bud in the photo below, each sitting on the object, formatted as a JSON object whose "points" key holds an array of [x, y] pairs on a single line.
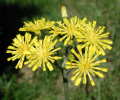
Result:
{"points": [[64, 12], [70, 42], [71, 57]]}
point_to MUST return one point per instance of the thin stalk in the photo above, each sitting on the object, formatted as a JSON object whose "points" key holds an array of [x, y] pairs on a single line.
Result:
{"points": [[65, 76], [86, 88], [99, 89], [99, 86], [65, 84]]}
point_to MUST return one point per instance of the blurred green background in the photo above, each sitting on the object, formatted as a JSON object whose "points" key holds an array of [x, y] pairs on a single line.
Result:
{"points": [[27, 85]]}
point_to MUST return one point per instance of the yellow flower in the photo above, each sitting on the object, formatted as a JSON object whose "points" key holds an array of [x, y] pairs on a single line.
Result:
{"points": [[68, 29], [86, 65], [91, 36], [37, 25], [20, 48], [43, 54]]}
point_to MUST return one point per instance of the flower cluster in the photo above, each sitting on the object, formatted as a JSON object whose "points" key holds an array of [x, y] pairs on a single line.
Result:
{"points": [[41, 53], [38, 53]]}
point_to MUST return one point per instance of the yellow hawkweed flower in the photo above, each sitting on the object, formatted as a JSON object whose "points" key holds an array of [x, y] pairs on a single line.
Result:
{"points": [[68, 29], [86, 64], [94, 37], [37, 25], [43, 54], [20, 48]]}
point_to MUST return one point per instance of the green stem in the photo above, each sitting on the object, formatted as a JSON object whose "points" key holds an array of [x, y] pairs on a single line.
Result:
{"points": [[99, 86], [65, 76], [65, 84], [99, 89], [86, 88]]}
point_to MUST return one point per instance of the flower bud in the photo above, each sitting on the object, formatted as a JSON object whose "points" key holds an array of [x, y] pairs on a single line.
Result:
{"points": [[70, 42], [71, 57], [64, 12]]}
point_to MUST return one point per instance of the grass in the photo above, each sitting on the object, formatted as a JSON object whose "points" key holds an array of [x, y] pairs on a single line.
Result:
{"points": [[28, 85]]}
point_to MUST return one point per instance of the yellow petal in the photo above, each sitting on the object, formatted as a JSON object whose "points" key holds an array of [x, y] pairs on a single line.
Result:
{"points": [[76, 32], [49, 66], [52, 60], [102, 69], [56, 57], [92, 82], [68, 67], [44, 68], [62, 38], [11, 47], [78, 70], [26, 62], [20, 64], [26, 52], [10, 58], [79, 49], [86, 53], [19, 38], [107, 41], [74, 52], [66, 41], [99, 74], [84, 79], [101, 61], [77, 82], [16, 66], [67, 62], [34, 68]]}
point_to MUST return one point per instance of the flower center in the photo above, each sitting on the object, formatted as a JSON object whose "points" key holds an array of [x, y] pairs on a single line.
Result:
{"points": [[71, 29], [43, 54], [86, 66], [91, 38], [24, 50]]}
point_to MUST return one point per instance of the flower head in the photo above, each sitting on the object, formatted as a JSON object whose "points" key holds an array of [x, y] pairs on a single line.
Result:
{"points": [[43, 54], [90, 36], [37, 25], [86, 64], [21, 47], [67, 29]]}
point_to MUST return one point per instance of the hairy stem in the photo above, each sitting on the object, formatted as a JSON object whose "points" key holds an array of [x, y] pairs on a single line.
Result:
{"points": [[65, 76], [65, 84]]}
